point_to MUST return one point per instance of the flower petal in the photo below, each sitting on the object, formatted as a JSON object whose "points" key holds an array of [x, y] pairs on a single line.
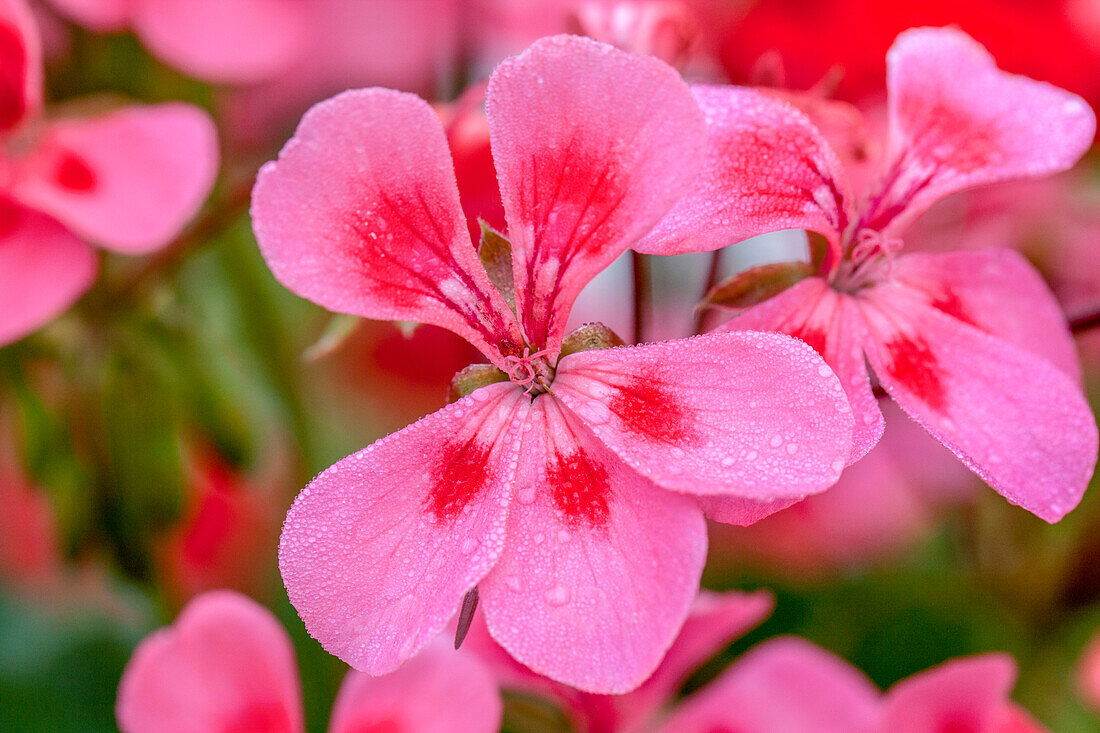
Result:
{"points": [[963, 694], [784, 684], [592, 146], [767, 169], [361, 215], [21, 62], [129, 180], [829, 322], [43, 270], [600, 565], [997, 291], [100, 16], [748, 414], [236, 41], [379, 550], [1012, 417], [225, 664], [957, 121], [440, 691]]}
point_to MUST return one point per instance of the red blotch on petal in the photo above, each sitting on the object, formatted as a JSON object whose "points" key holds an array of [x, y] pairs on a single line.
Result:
{"points": [[815, 338], [261, 718], [13, 70], [374, 726], [959, 724], [74, 174], [950, 137], [948, 302], [579, 488], [916, 368], [650, 412], [460, 475]]}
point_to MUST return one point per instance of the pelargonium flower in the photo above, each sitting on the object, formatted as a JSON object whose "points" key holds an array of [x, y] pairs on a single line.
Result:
{"points": [[971, 344], [227, 666], [789, 684], [127, 180], [566, 490], [715, 620]]}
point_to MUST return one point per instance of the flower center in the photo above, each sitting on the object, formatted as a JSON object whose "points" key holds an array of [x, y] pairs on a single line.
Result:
{"points": [[531, 371], [867, 261]]}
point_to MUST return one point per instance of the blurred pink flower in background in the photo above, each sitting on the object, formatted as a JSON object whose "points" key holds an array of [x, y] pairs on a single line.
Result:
{"points": [[227, 666], [1088, 674], [972, 345], [788, 684], [715, 620], [127, 180], [588, 573]]}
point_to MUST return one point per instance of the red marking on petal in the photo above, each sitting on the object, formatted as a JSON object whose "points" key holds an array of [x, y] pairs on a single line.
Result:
{"points": [[950, 137], [960, 723], [13, 70], [460, 475], [74, 174], [579, 488], [915, 367], [948, 302], [261, 718], [814, 337], [650, 412], [11, 215]]}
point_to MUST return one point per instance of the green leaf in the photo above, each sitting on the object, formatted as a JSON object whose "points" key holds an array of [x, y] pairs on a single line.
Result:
{"points": [[756, 284]]}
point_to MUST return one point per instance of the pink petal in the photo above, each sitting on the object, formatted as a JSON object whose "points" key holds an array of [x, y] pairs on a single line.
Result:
{"points": [[767, 169], [379, 550], [753, 415], [957, 121], [830, 322], [963, 694], [600, 565], [21, 62], [440, 691], [129, 180], [43, 270], [236, 41], [100, 16], [592, 146], [716, 619], [740, 511], [997, 291], [1013, 418], [784, 684], [1013, 719], [361, 215], [225, 665]]}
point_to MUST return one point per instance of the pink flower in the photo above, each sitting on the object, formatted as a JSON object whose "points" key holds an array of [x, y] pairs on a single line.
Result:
{"points": [[714, 621], [790, 685], [127, 180], [566, 492], [971, 344], [227, 666]]}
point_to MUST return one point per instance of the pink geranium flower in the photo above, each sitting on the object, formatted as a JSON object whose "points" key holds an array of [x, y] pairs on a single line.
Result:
{"points": [[227, 666], [127, 180], [971, 344], [790, 685], [567, 490]]}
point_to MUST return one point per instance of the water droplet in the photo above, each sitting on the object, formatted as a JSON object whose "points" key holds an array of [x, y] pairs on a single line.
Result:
{"points": [[558, 595], [526, 495], [776, 441], [468, 545], [824, 370]]}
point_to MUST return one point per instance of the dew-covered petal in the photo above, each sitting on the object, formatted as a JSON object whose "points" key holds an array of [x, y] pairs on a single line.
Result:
{"points": [[592, 146], [784, 684], [128, 180], [600, 565], [767, 169], [440, 691], [361, 215], [963, 694], [43, 270], [997, 291], [1012, 417], [235, 41], [226, 664], [957, 121], [379, 550], [831, 323], [20, 64], [747, 414]]}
